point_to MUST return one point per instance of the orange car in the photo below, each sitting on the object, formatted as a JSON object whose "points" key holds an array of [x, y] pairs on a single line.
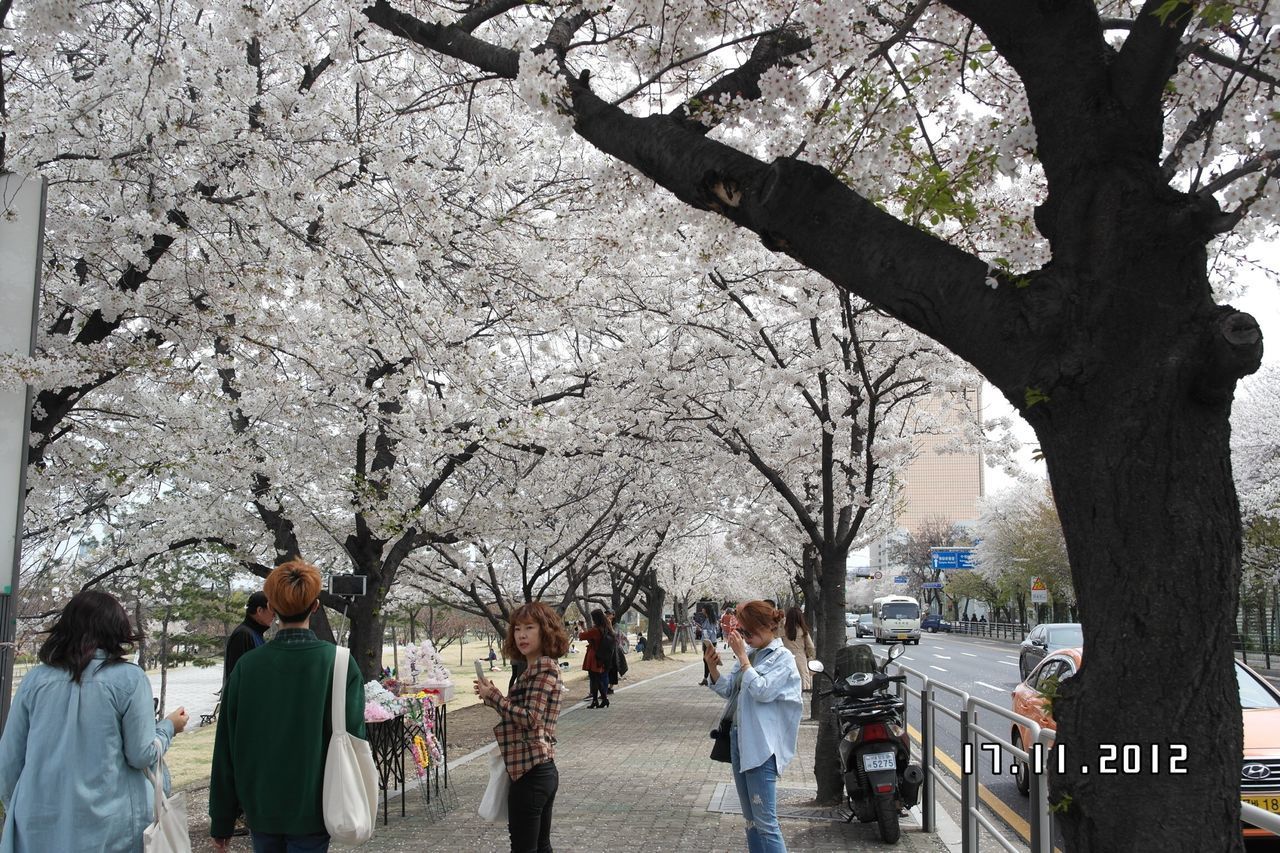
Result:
{"points": [[1260, 774]]}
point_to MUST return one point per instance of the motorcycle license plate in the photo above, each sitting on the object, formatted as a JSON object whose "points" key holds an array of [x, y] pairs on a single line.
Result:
{"points": [[879, 761]]}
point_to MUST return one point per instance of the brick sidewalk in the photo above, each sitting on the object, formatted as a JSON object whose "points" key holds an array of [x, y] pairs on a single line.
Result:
{"points": [[634, 777]]}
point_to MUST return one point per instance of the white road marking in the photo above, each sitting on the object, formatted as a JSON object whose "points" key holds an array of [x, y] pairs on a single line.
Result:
{"points": [[938, 668], [1007, 662], [943, 657], [991, 687], [969, 654]]}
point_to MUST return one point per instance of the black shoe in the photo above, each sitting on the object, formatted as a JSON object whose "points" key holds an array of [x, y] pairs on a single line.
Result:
{"points": [[604, 704], [594, 704], [610, 693], [702, 683]]}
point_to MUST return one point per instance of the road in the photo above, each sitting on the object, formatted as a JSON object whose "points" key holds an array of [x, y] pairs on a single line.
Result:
{"points": [[988, 670], [193, 687]]}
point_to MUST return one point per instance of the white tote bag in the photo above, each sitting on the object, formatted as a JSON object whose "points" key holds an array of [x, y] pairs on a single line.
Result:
{"points": [[168, 833], [350, 797], [493, 805]]}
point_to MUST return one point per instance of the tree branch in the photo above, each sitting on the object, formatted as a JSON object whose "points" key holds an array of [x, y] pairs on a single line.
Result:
{"points": [[1149, 55]]}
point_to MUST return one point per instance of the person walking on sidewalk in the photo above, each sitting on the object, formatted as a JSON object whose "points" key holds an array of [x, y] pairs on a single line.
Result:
{"points": [[81, 731], [270, 746], [762, 690], [796, 639], [526, 733], [600, 652]]}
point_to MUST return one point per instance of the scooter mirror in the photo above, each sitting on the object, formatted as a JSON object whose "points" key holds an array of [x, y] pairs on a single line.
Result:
{"points": [[896, 650], [816, 666]]}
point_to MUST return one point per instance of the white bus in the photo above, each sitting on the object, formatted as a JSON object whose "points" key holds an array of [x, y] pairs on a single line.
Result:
{"points": [[896, 617]]}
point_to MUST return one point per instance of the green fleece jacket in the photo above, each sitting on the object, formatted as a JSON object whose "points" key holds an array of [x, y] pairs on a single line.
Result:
{"points": [[273, 733]]}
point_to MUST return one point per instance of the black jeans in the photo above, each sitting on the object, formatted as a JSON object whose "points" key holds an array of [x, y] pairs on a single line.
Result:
{"points": [[529, 802]]}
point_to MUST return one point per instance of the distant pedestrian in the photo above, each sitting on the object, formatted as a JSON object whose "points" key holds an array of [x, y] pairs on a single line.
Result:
{"points": [[762, 690], [640, 644], [249, 634], [600, 646], [81, 730], [270, 747], [526, 733], [795, 637], [493, 659], [709, 627], [728, 621]]}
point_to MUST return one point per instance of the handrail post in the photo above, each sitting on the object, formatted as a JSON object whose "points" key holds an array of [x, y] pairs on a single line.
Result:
{"points": [[968, 789], [927, 722]]}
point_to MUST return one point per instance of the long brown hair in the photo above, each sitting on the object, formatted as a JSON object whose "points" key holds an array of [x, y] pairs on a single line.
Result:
{"points": [[555, 642], [795, 622]]}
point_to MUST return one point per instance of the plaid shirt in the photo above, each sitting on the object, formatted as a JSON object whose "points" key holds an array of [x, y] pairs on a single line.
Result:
{"points": [[527, 733]]}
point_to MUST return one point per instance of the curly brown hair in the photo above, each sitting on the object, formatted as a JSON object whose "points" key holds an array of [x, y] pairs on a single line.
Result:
{"points": [[555, 642]]}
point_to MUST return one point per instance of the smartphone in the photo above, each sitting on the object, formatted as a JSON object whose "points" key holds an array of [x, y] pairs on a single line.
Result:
{"points": [[480, 670], [707, 644]]}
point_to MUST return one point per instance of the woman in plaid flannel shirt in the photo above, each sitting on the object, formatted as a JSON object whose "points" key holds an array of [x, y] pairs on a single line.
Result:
{"points": [[527, 731]]}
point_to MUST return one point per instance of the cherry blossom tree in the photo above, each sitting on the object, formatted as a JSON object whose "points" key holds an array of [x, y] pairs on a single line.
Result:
{"points": [[1035, 186]]}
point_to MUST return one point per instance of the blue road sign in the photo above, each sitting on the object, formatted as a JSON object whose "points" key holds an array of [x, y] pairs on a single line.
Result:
{"points": [[944, 559], [900, 579], [931, 585]]}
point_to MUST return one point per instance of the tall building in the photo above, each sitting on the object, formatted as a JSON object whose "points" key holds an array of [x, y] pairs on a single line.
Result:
{"points": [[936, 485]]}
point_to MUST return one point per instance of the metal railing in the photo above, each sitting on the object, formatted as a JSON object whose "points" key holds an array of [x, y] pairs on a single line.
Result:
{"points": [[975, 730], [997, 630], [973, 725]]}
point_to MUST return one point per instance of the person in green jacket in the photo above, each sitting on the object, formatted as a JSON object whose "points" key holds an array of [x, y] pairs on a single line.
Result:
{"points": [[275, 717]]}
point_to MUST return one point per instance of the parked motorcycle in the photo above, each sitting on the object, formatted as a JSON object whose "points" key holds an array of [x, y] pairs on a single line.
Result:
{"points": [[875, 750]]}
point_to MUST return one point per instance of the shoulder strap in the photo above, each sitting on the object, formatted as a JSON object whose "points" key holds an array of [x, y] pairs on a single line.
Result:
{"points": [[338, 702]]}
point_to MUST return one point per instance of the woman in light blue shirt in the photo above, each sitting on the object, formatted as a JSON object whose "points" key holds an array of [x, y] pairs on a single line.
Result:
{"points": [[763, 692], [81, 729]]}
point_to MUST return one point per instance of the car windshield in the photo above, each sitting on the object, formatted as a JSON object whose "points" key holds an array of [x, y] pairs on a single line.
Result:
{"points": [[1253, 694], [1066, 637], [900, 610], [865, 618]]}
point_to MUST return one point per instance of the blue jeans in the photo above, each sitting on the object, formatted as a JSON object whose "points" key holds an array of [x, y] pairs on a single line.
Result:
{"points": [[270, 842], [758, 794]]}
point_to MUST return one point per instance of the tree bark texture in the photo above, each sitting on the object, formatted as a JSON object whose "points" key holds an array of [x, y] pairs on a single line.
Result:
{"points": [[829, 638]]}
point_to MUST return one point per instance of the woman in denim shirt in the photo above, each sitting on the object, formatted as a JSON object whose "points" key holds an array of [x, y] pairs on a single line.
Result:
{"points": [[763, 692], [81, 729]]}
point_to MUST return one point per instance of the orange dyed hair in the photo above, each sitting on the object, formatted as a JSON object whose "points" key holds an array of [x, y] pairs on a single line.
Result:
{"points": [[555, 642], [758, 616], [291, 588]]}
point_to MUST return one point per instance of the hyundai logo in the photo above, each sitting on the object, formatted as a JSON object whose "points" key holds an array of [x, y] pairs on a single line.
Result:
{"points": [[1256, 771]]}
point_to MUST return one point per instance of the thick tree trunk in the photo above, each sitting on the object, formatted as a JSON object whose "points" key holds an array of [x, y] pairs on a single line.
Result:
{"points": [[368, 626], [1135, 434], [655, 599], [829, 608]]}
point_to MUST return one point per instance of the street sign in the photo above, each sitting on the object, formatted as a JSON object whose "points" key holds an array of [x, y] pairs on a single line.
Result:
{"points": [[931, 585], [900, 579], [879, 575], [1039, 592], [951, 559]]}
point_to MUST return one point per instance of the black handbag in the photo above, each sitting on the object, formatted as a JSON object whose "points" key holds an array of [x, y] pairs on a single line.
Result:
{"points": [[720, 742]]}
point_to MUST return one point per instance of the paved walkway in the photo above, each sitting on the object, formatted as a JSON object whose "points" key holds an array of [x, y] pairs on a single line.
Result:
{"points": [[637, 777]]}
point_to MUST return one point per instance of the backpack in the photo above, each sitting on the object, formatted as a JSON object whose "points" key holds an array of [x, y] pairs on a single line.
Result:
{"points": [[606, 650]]}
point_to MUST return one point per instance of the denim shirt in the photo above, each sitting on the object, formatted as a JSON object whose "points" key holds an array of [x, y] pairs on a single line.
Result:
{"points": [[769, 706], [71, 760]]}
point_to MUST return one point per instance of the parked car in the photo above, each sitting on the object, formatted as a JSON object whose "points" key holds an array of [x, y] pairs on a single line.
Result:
{"points": [[1045, 638], [863, 627], [933, 623], [850, 620], [1260, 770]]}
